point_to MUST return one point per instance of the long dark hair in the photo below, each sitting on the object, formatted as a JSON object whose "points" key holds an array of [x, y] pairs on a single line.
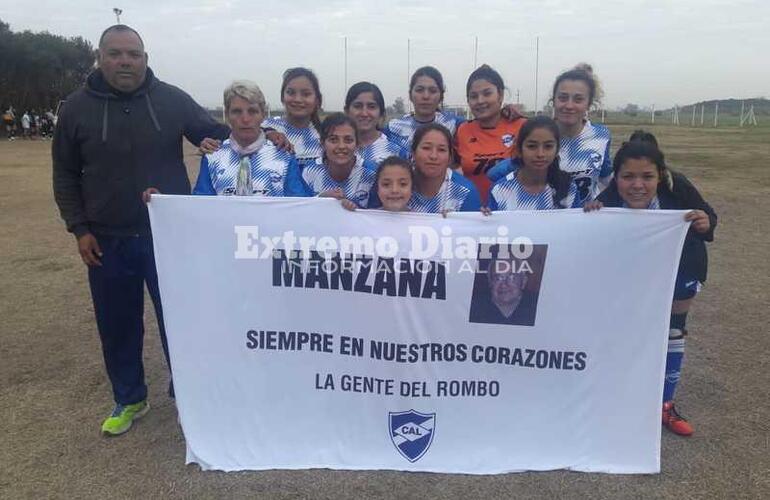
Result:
{"points": [[643, 145], [361, 87], [428, 127], [485, 72], [431, 73], [333, 121], [557, 178], [292, 73]]}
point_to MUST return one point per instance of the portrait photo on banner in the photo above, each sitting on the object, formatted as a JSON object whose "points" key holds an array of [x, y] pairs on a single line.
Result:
{"points": [[506, 285]]}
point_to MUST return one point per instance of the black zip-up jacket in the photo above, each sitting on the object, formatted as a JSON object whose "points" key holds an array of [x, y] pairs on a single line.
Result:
{"points": [[678, 193], [109, 147]]}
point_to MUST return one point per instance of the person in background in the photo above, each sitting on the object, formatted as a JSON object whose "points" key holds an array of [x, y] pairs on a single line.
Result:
{"points": [[365, 104], [426, 91], [643, 181], [538, 183], [340, 173], [394, 183], [438, 188], [584, 151], [488, 138], [98, 188], [272, 172]]}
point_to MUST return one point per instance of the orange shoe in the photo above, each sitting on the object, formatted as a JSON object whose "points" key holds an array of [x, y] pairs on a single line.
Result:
{"points": [[674, 421]]}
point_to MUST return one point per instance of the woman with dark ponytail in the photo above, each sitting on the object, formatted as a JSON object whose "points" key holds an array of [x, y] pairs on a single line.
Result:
{"points": [[301, 124], [538, 183], [642, 181]]}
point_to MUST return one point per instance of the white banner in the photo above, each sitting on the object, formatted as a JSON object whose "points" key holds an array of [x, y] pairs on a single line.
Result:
{"points": [[304, 336]]}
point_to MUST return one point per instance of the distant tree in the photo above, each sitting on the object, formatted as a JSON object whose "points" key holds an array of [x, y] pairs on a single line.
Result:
{"points": [[399, 108], [631, 109], [37, 70]]}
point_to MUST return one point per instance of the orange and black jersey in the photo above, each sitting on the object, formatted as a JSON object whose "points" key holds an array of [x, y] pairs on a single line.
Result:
{"points": [[479, 149]]}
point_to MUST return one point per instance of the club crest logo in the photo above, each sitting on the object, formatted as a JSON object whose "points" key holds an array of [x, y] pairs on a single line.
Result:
{"points": [[596, 159], [411, 432], [508, 140]]}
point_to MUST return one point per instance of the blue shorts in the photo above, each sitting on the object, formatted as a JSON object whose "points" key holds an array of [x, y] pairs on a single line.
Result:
{"points": [[686, 287]]}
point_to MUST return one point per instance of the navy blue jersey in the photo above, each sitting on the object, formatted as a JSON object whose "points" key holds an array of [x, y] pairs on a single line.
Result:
{"points": [[357, 187], [508, 194], [306, 141], [457, 194], [402, 129], [382, 148], [273, 172]]}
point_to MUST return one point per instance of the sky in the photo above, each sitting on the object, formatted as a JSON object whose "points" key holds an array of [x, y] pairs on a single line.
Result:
{"points": [[656, 52]]}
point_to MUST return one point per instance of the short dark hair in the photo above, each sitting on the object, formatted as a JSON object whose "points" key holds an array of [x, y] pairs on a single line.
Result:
{"points": [[485, 72], [424, 129], [644, 136], [394, 161], [640, 149], [119, 28], [431, 73], [335, 120], [361, 87]]}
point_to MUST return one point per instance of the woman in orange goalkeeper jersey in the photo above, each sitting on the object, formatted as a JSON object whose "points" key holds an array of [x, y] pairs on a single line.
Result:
{"points": [[488, 138]]}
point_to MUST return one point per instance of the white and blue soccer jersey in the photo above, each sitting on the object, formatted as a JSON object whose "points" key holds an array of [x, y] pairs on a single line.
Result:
{"points": [[508, 194], [586, 157], [380, 149], [306, 141], [273, 172], [457, 194], [357, 187], [402, 129]]}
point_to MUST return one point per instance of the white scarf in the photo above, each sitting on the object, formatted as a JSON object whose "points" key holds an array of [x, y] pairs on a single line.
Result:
{"points": [[251, 148]]}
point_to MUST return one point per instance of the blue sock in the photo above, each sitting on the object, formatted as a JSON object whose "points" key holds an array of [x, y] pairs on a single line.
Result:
{"points": [[674, 356]]}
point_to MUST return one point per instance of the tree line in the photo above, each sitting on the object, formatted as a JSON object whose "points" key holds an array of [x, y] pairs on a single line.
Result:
{"points": [[37, 70]]}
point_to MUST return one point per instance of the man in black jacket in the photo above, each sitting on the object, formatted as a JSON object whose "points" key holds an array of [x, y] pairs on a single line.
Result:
{"points": [[117, 136]]}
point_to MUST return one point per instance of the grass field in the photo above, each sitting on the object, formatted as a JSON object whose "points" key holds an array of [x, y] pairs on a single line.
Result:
{"points": [[55, 391]]}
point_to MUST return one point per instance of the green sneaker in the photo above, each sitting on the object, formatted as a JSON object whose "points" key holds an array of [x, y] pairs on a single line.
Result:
{"points": [[123, 416]]}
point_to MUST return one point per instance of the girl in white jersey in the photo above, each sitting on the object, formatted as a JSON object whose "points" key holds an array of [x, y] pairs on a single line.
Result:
{"points": [[538, 183], [394, 183], [301, 98], [426, 91], [584, 151], [339, 173], [365, 104]]}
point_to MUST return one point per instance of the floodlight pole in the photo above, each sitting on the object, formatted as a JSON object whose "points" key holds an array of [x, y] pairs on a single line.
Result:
{"points": [[716, 114], [692, 123], [409, 68], [476, 53], [117, 12], [653, 115], [702, 113], [346, 64], [537, 69]]}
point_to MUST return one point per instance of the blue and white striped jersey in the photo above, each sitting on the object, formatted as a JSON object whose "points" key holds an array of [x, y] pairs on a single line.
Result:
{"points": [[508, 194], [380, 149], [357, 187], [457, 194], [586, 157], [273, 172], [306, 141], [402, 129]]}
